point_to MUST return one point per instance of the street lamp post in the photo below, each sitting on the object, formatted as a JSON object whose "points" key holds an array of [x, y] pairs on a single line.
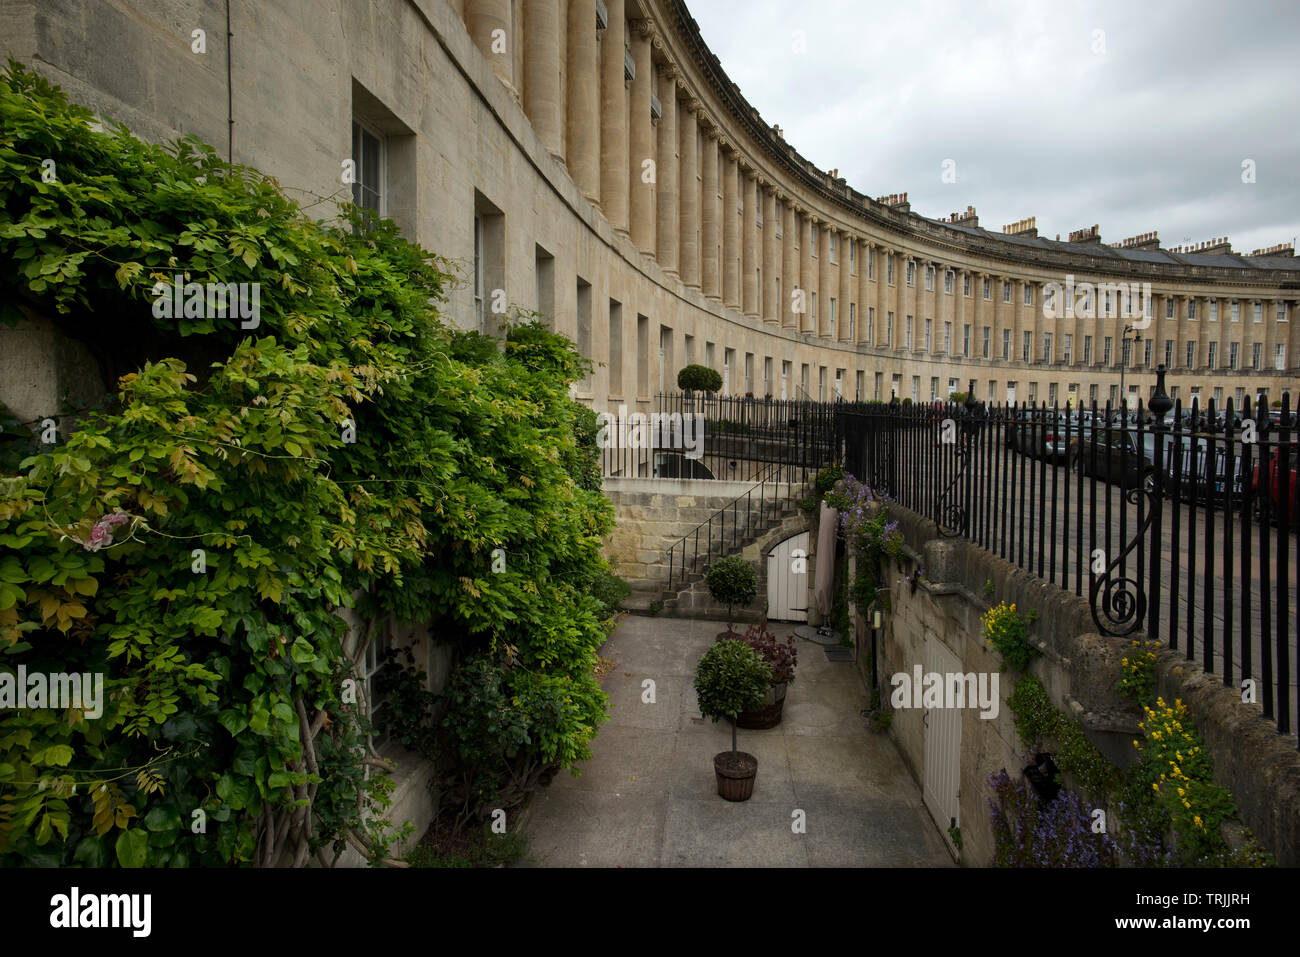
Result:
{"points": [[1123, 360]]}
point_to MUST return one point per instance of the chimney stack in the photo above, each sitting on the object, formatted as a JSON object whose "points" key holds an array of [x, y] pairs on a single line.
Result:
{"points": [[897, 201], [1090, 234], [1025, 227], [1211, 247], [1141, 241], [1281, 249], [967, 218]]}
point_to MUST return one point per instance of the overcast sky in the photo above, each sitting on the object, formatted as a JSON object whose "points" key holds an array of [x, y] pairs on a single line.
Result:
{"points": [[1142, 126]]}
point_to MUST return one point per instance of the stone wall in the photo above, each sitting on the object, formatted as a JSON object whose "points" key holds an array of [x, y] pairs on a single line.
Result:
{"points": [[654, 514], [1079, 669]]}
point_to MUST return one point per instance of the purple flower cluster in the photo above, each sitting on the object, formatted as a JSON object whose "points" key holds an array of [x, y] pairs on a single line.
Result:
{"points": [[1058, 834], [101, 535]]}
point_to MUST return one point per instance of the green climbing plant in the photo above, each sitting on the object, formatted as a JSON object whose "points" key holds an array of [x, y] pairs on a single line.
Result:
{"points": [[194, 540]]}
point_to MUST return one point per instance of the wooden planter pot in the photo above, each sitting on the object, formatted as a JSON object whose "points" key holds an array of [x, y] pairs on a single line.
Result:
{"points": [[769, 715], [735, 772]]}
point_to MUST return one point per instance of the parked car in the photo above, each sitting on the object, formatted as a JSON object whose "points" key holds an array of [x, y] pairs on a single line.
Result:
{"points": [[1113, 455], [1197, 470], [1282, 465], [1044, 435]]}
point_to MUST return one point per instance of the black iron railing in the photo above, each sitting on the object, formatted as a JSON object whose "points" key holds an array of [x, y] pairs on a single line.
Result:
{"points": [[715, 437], [738, 521], [1179, 523]]}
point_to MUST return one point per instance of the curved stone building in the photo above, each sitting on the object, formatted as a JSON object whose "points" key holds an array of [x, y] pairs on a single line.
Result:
{"points": [[590, 159]]}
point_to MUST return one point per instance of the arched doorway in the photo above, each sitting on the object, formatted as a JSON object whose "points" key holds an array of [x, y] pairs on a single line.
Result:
{"points": [[787, 580]]}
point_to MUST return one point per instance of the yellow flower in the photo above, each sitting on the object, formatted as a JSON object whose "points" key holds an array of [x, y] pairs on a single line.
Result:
{"points": [[1186, 805], [1155, 787], [1136, 745], [1124, 662], [1182, 793], [1197, 821]]}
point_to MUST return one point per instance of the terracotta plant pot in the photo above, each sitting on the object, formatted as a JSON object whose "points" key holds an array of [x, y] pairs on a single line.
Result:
{"points": [[735, 771], [769, 715]]}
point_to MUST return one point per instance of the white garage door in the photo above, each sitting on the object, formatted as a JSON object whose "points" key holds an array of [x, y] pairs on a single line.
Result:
{"points": [[942, 743], [787, 580]]}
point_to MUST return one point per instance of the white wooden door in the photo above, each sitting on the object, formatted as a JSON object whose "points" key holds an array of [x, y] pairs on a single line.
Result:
{"points": [[942, 743], [787, 580]]}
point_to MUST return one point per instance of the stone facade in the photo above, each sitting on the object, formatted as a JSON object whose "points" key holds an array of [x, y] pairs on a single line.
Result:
{"points": [[593, 162]]}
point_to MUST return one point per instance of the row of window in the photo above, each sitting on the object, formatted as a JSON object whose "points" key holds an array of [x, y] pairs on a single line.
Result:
{"points": [[1073, 396]]}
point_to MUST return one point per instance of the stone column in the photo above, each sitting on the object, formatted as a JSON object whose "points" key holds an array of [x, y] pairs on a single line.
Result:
{"points": [[485, 17], [749, 255], [865, 300], [825, 288], [583, 127], [613, 120], [689, 192], [642, 212], [806, 277], [710, 232], [771, 308], [666, 194], [846, 289], [730, 229], [789, 264], [542, 72], [1017, 321]]}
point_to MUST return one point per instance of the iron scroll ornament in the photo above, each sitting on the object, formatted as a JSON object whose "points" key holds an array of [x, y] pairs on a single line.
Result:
{"points": [[1119, 602]]}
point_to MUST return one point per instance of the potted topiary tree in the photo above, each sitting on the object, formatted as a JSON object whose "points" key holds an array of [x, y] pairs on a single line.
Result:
{"points": [[698, 378], [730, 679], [732, 581], [781, 658]]}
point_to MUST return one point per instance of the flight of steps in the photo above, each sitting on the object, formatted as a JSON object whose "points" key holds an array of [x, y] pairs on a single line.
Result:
{"points": [[688, 596]]}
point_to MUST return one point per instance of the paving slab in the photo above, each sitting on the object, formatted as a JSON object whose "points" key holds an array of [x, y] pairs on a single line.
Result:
{"points": [[648, 796]]}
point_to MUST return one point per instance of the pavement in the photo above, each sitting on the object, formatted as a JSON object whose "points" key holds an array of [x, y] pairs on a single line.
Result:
{"points": [[648, 797]]}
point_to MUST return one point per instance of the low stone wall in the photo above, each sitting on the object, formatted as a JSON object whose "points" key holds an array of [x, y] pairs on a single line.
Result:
{"points": [[654, 514], [1080, 670]]}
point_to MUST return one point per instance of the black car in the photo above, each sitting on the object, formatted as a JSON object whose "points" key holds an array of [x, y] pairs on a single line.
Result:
{"points": [[1113, 456]]}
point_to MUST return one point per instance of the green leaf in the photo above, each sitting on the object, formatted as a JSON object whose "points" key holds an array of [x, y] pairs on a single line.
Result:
{"points": [[133, 847], [233, 721], [58, 754], [163, 818], [302, 651], [90, 852]]}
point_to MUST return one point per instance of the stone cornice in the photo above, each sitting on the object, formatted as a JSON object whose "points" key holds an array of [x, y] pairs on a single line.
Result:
{"points": [[907, 227]]}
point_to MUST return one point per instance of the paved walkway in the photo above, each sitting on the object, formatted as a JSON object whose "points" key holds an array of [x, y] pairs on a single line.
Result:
{"points": [[648, 797]]}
